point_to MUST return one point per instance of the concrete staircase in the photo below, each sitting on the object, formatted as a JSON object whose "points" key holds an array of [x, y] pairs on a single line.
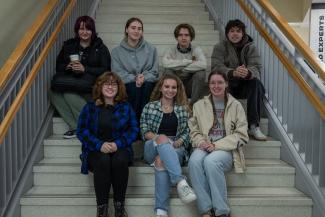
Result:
{"points": [[265, 190]]}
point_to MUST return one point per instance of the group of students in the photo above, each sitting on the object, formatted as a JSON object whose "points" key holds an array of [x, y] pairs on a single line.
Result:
{"points": [[130, 99]]}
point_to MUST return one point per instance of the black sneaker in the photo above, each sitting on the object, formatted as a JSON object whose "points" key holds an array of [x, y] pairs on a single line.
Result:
{"points": [[70, 134]]}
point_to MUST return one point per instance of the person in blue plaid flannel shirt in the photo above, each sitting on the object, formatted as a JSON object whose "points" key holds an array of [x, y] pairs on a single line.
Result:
{"points": [[106, 129], [163, 125]]}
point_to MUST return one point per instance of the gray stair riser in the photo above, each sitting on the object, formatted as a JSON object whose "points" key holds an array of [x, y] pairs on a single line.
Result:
{"points": [[68, 151], [122, 4], [144, 207], [157, 36], [151, 1], [153, 28], [157, 10], [147, 179], [147, 19], [169, 40], [60, 127]]}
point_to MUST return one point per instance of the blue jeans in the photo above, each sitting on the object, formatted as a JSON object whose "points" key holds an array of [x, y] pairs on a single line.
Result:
{"points": [[208, 179], [172, 159]]}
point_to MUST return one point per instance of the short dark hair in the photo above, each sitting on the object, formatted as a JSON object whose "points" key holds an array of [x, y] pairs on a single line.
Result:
{"points": [[235, 23], [131, 20], [185, 26], [108, 77], [89, 24]]}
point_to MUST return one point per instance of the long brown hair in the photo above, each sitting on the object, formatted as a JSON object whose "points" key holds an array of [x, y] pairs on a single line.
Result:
{"points": [[108, 77], [180, 98], [224, 76]]}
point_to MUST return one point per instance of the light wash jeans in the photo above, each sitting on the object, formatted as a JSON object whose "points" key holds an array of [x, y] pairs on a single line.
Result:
{"points": [[208, 179], [172, 159]]}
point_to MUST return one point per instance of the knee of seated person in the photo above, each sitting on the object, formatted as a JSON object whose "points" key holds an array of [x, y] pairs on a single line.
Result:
{"points": [[158, 163], [212, 163], [162, 139]]}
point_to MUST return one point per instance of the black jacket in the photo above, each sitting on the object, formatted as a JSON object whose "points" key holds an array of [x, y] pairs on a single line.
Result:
{"points": [[96, 58]]}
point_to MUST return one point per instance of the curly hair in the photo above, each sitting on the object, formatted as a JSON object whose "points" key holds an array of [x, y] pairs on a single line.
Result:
{"points": [[187, 26], [180, 98], [108, 76]]}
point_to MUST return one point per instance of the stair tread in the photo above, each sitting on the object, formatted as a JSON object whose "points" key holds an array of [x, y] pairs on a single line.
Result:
{"points": [[53, 140], [140, 191], [253, 166]]}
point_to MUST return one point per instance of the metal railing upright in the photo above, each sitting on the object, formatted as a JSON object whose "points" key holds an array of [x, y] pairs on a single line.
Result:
{"points": [[24, 104], [295, 94]]}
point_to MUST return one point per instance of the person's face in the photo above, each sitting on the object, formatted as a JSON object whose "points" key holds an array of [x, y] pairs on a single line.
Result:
{"points": [[84, 33], [184, 38], [134, 31], [169, 89], [109, 89], [235, 35], [217, 85]]}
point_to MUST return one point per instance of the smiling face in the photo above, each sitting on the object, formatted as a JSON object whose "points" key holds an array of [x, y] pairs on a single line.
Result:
{"points": [[217, 85], [134, 31], [84, 33], [109, 89], [235, 35], [169, 89], [184, 38]]}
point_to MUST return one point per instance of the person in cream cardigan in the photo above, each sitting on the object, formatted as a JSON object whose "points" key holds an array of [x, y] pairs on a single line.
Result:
{"points": [[218, 131]]}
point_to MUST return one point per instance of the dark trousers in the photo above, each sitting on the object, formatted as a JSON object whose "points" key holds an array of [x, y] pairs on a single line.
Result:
{"points": [[139, 96], [252, 90], [109, 169]]}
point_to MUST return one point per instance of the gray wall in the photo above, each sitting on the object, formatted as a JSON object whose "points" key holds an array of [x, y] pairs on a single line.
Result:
{"points": [[16, 17]]}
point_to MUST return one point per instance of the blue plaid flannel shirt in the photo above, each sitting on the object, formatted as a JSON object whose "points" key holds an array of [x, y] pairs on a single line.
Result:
{"points": [[125, 132]]}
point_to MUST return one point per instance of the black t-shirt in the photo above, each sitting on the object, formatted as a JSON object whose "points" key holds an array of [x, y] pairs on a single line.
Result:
{"points": [[168, 124], [106, 123]]}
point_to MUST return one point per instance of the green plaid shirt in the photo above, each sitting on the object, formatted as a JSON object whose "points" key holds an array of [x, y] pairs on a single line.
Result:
{"points": [[152, 115]]}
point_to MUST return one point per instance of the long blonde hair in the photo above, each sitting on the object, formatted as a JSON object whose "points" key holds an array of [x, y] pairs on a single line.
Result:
{"points": [[180, 98]]}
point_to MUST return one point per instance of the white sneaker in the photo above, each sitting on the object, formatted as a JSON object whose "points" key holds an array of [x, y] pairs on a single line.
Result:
{"points": [[257, 134], [185, 192]]}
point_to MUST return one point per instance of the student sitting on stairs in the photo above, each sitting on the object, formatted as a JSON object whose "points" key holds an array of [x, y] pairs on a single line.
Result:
{"points": [[218, 130], [164, 126], [93, 60], [136, 62], [238, 58], [187, 61], [106, 129]]}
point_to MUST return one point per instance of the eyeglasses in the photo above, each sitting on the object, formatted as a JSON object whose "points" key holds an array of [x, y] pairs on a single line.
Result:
{"points": [[112, 83]]}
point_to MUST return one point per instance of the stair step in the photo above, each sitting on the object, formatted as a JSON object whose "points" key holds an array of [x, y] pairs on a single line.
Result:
{"points": [[60, 127], [258, 173], [244, 202], [57, 147], [164, 37], [148, 191], [152, 10], [154, 28], [150, 1], [106, 4], [154, 18]]}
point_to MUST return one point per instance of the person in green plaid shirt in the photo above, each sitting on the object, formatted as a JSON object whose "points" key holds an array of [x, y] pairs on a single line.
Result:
{"points": [[163, 125]]}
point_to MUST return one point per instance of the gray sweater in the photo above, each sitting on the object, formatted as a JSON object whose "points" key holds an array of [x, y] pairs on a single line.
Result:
{"points": [[224, 58], [128, 62], [177, 61]]}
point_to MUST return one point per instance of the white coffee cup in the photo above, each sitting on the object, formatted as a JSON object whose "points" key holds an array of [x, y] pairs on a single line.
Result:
{"points": [[74, 57]]}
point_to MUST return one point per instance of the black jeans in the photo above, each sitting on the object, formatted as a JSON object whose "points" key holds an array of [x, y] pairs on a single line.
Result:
{"points": [[139, 96], [254, 91], [109, 169]]}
